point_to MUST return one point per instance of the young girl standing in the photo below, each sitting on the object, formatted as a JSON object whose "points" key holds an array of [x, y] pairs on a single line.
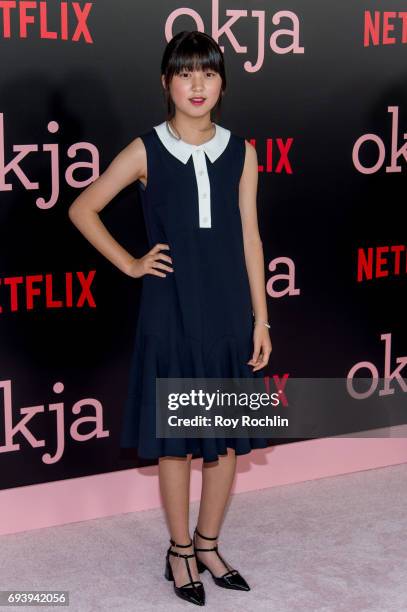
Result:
{"points": [[203, 280]]}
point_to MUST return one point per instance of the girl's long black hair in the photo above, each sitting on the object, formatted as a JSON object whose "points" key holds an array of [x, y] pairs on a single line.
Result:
{"points": [[192, 51]]}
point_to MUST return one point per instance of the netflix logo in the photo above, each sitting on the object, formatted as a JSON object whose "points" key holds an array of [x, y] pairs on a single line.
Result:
{"points": [[380, 26], [381, 261], [45, 20], [45, 291], [276, 155]]}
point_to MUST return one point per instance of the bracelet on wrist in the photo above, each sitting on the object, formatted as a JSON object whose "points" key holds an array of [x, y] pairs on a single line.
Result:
{"points": [[266, 323], [263, 322]]}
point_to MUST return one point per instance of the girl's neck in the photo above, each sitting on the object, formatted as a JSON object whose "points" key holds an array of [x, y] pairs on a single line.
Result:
{"points": [[195, 133]]}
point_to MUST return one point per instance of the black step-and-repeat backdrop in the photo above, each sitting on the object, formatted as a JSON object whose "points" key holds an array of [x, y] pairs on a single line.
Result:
{"points": [[320, 89]]}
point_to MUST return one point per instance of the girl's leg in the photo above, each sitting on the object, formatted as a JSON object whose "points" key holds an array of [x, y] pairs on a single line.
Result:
{"points": [[217, 480], [174, 477]]}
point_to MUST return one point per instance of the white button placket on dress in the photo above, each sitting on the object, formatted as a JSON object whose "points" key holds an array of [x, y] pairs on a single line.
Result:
{"points": [[204, 187], [183, 151]]}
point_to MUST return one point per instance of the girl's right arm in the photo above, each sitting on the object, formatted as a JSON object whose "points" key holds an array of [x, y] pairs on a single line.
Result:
{"points": [[128, 166]]}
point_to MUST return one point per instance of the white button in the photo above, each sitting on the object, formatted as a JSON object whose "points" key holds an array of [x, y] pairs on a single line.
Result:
{"points": [[204, 188]]}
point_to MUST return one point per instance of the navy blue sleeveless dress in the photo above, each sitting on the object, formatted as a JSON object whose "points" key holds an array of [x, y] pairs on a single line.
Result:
{"points": [[198, 320]]}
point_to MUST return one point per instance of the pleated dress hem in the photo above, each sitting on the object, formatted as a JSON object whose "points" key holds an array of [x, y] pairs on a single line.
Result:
{"points": [[184, 358]]}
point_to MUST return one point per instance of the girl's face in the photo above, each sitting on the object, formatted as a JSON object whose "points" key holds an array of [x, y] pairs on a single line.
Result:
{"points": [[186, 86]]}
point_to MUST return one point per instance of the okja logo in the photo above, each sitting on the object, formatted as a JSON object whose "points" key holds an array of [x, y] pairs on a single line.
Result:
{"points": [[389, 375], [277, 41], [56, 410], [380, 146], [34, 19], [52, 149]]}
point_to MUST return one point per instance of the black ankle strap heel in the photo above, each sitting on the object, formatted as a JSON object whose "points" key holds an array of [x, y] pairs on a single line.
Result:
{"points": [[192, 591], [231, 579]]}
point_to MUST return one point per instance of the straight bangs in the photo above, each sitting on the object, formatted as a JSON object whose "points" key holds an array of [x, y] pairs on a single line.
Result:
{"points": [[191, 58], [190, 51]]}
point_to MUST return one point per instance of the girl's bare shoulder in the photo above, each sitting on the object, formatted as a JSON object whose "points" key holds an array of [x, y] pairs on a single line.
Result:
{"points": [[134, 154], [130, 164]]}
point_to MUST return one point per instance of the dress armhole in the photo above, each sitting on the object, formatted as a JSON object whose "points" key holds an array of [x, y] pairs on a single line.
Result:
{"points": [[141, 184], [243, 156]]}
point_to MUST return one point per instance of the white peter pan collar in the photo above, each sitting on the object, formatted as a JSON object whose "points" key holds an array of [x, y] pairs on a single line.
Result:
{"points": [[182, 150]]}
